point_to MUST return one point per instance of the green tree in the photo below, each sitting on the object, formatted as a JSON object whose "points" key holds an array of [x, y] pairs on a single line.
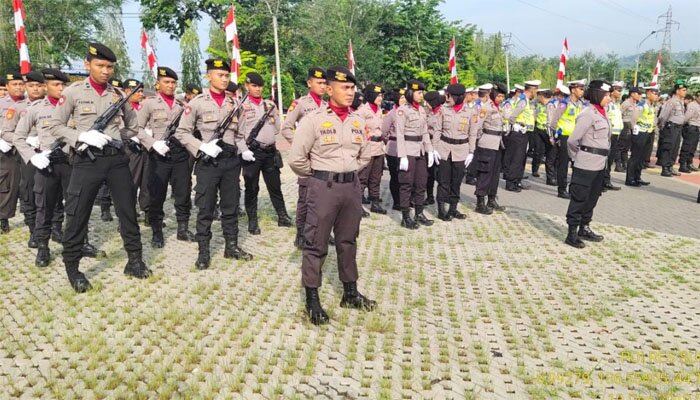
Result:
{"points": [[112, 36], [190, 56]]}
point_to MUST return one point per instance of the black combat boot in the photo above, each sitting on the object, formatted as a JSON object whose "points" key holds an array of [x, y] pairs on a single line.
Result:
{"points": [[283, 219], [4, 226], [253, 226], [231, 249], [421, 218], [493, 204], [377, 208], [183, 233], [481, 206], [365, 213], [91, 251], [57, 232], [684, 167], [585, 233], [157, 241], [136, 267], [313, 307], [32, 243], [563, 194], [443, 214], [455, 213], [665, 171], [106, 215], [76, 278], [43, 256], [407, 221], [354, 299], [203, 258], [572, 238]]}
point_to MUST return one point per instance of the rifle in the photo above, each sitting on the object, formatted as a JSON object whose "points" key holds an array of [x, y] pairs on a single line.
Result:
{"points": [[103, 120], [170, 131], [258, 127], [221, 130], [55, 147]]}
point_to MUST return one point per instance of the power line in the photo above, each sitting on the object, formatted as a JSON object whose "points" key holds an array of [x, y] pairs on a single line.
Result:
{"points": [[524, 45], [618, 7]]}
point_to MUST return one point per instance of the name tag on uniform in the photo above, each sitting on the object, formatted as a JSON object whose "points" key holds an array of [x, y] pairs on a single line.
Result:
{"points": [[87, 110], [329, 139]]}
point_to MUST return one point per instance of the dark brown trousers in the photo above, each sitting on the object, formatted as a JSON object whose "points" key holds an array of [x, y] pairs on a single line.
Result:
{"points": [[412, 182], [371, 176]]}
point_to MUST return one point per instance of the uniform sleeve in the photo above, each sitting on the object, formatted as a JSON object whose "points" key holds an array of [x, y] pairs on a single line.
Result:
{"points": [[185, 130], [387, 122], [636, 112], [556, 114], [293, 115], [364, 156], [241, 137], [21, 133], [131, 123], [399, 125], [143, 118], [58, 124], [583, 124], [427, 144], [665, 113], [517, 111], [10, 124], [474, 128], [690, 112], [305, 137], [437, 128]]}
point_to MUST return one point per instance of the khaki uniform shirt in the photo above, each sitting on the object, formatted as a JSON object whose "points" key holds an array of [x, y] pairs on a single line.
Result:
{"points": [[373, 126], [325, 143], [202, 113], [672, 111], [627, 108], [412, 123], [389, 132], [592, 130], [491, 119], [250, 115], [12, 116], [456, 125], [299, 108], [35, 122], [692, 114], [5, 104], [154, 116]]}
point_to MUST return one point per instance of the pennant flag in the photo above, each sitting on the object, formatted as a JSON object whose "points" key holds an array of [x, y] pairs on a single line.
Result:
{"points": [[657, 72], [273, 86], [452, 64], [24, 64], [232, 37], [562, 65], [351, 58], [150, 55]]}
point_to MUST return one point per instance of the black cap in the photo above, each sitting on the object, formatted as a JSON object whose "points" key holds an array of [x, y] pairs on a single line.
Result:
{"points": [[317, 72], [115, 83], [456, 89], [165, 72], [53, 74], [99, 51], [130, 83], [434, 98], [396, 94], [373, 88], [415, 84], [499, 87], [340, 74], [3, 82], [232, 87], [600, 84], [194, 89], [254, 78], [34, 76], [217, 63], [14, 76], [635, 90]]}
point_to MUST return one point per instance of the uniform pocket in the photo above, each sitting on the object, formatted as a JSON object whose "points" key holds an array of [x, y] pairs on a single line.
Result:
{"points": [[482, 162], [72, 200], [580, 187], [39, 198], [200, 191]]}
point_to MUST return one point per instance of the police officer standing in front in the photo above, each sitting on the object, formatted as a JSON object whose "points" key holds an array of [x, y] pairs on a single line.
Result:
{"points": [[522, 121], [643, 121], [671, 121], [330, 148], [83, 103], [217, 177], [562, 124], [371, 175], [589, 147]]}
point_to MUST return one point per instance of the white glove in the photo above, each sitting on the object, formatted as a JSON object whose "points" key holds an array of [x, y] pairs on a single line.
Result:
{"points": [[248, 156], [4, 146], [469, 159], [160, 147], [403, 164], [94, 138], [436, 157], [33, 141], [431, 159], [635, 131], [40, 160], [210, 149], [135, 139], [149, 131], [518, 128]]}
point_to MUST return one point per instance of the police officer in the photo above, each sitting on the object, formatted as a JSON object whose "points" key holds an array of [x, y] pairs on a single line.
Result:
{"points": [[218, 178], [330, 148], [562, 124], [692, 133], [9, 159], [415, 153], [522, 121], [541, 144], [643, 120], [589, 147], [625, 141], [301, 107], [260, 155], [168, 159], [398, 97], [83, 103], [191, 91], [453, 143], [550, 162], [671, 121], [614, 115], [371, 175], [435, 101]]}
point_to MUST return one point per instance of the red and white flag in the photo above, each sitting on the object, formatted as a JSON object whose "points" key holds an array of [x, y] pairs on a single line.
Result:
{"points": [[562, 65], [24, 64], [232, 36], [657, 72], [452, 64], [351, 58], [150, 54]]}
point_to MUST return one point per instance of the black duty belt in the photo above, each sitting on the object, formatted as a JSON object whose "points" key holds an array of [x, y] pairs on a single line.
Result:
{"points": [[593, 150], [337, 177], [228, 150], [494, 133], [392, 138], [375, 138], [265, 148], [413, 138], [453, 141], [109, 149]]}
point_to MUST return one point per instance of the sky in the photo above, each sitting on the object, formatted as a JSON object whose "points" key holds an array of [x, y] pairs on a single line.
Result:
{"points": [[537, 26]]}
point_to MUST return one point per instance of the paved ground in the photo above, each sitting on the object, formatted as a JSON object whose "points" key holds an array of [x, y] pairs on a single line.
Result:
{"points": [[489, 308]]}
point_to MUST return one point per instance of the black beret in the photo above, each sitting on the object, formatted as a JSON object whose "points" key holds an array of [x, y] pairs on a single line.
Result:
{"points": [[100, 52], [34, 76], [373, 88], [52, 74], [14, 76], [232, 87], [165, 72], [130, 83], [340, 74], [116, 83], [415, 84], [254, 78], [217, 63], [194, 89], [500, 88], [600, 84], [635, 90], [456, 89], [317, 72], [434, 98], [3, 82]]}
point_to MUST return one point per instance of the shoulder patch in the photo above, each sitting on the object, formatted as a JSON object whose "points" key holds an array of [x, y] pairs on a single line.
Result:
{"points": [[399, 112], [188, 110], [10, 113], [292, 106], [61, 100]]}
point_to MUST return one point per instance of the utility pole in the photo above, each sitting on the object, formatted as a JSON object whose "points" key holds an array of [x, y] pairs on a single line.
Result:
{"points": [[277, 52], [669, 23], [506, 48]]}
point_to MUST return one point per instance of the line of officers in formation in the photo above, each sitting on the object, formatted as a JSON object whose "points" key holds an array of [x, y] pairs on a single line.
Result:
{"points": [[340, 140]]}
